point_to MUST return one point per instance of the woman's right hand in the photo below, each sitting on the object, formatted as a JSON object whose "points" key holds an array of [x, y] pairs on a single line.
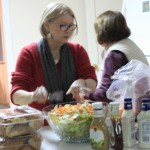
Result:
{"points": [[40, 95]]}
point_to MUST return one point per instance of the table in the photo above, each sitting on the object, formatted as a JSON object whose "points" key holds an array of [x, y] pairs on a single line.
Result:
{"points": [[50, 141]]}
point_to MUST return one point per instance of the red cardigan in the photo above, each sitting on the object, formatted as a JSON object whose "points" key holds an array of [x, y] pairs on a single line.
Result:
{"points": [[29, 75]]}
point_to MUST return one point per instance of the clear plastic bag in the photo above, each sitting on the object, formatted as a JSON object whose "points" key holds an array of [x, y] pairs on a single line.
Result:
{"points": [[131, 80]]}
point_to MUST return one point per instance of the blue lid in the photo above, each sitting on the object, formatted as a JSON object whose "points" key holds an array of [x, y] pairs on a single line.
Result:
{"points": [[128, 99], [145, 103], [127, 103], [146, 99]]}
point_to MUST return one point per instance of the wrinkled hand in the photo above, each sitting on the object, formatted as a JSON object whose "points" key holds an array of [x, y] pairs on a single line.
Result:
{"points": [[40, 95], [78, 90]]}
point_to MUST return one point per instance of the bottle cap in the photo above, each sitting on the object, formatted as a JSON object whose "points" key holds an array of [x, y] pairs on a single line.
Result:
{"points": [[113, 103], [97, 109], [128, 99], [97, 105], [114, 108], [127, 103], [145, 103], [145, 99]]}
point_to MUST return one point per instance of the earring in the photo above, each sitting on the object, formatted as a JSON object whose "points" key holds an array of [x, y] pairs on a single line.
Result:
{"points": [[49, 35]]}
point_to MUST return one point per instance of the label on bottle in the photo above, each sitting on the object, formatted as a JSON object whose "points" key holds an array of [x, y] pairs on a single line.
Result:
{"points": [[145, 131], [128, 128], [117, 140], [96, 136]]}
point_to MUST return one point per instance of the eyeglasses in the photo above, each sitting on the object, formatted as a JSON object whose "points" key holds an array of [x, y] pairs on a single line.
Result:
{"points": [[68, 27]]}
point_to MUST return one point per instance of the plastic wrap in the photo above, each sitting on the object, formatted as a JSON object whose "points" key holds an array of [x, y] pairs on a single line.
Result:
{"points": [[27, 142], [21, 120], [131, 80]]}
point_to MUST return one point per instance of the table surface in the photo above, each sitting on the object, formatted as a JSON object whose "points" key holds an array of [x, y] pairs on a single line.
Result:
{"points": [[50, 141]]}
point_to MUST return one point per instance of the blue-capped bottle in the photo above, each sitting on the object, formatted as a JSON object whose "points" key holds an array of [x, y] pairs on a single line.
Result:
{"points": [[128, 124], [143, 119]]}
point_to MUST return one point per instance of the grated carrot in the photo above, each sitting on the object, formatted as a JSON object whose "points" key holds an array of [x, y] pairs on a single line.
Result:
{"points": [[68, 108]]}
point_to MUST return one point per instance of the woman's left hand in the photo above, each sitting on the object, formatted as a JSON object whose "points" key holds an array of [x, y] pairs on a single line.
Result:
{"points": [[78, 90]]}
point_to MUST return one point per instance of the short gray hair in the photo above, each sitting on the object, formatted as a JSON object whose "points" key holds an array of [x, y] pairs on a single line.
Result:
{"points": [[53, 11]]}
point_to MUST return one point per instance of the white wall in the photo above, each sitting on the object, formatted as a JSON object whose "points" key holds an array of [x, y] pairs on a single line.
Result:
{"points": [[115, 5], [139, 23], [25, 17], [93, 9]]}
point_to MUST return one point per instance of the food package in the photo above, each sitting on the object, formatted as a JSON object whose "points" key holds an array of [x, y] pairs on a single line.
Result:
{"points": [[21, 120], [26, 142]]}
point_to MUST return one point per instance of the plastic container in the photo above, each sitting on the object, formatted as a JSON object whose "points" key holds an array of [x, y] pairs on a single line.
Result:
{"points": [[144, 124], [21, 120], [128, 124], [28, 142]]}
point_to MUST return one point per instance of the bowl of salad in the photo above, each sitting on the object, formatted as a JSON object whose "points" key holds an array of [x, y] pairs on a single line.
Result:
{"points": [[70, 121]]}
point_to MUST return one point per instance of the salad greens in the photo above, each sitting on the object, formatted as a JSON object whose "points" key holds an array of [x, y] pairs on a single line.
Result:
{"points": [[71, 122]]}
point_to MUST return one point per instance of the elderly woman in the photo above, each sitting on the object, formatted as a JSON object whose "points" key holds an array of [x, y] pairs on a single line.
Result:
{"points": [[48, 69], [113, 35]]}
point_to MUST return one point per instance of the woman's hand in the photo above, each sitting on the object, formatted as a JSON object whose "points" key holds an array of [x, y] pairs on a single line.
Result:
{"points": [[75, 89], [22, 97], [40, 95], [79, 90]]}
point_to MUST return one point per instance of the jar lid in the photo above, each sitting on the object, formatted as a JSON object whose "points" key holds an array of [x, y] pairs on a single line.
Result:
{"points": [[145, 103], [114, 108], [97, 105], [114, 103], [128, 99], [146, 99]]}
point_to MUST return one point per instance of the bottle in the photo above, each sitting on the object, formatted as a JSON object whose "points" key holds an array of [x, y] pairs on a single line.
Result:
{"points": [[143, 119], [99, 136], [116, 138], [128, 124]]}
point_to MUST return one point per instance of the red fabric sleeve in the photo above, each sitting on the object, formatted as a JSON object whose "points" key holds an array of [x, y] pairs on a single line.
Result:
{"points": [[28, 73], [83, 66]]}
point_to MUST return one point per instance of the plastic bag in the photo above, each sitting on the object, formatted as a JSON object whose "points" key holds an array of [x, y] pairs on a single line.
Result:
{"points": [[131, 80]]}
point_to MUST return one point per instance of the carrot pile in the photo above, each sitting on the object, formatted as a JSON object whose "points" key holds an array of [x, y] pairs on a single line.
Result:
{"points": [[84, 108]]}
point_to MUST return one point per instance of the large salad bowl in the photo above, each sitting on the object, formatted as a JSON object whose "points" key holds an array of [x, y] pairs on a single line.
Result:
{"points": [[70, 121]]}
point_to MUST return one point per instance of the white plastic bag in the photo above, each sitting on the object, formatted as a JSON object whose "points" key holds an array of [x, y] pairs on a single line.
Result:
{"points": [[131, 80]]}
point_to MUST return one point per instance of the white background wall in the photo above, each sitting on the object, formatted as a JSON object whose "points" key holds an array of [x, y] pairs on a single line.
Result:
{"points": [[139, 23], [93, 9], [25, 17], [22, 18]]}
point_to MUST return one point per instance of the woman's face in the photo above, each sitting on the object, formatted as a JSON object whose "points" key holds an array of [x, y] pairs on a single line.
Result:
{"points": [[62, 28]]}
